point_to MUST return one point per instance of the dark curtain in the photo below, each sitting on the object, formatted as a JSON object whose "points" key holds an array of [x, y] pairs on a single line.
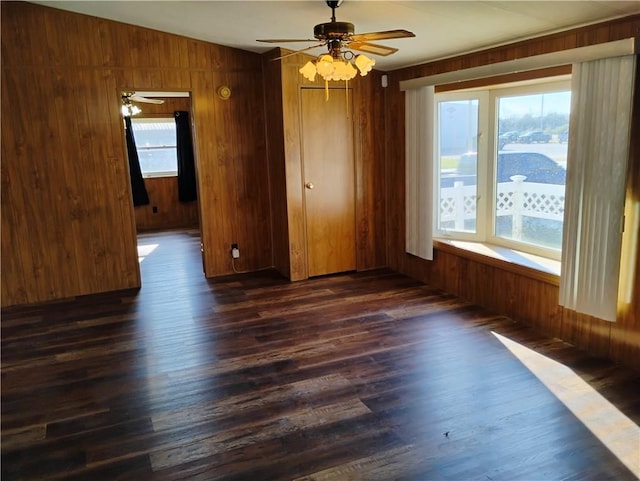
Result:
{"points": [[140, 196], [186, 162]]}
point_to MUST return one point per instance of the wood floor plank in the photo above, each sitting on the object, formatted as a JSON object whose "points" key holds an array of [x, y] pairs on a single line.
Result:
{"points": [[298, 392], [379, 467], [243, 436], [357, 376]]}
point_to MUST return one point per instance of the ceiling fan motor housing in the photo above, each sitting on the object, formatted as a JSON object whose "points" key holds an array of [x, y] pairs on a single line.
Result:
{"points": [[331, 30]]}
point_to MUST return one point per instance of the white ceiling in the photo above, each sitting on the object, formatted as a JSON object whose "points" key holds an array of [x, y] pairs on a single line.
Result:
{"points": [[442, 28]]}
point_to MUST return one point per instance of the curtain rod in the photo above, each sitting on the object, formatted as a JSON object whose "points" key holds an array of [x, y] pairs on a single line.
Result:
{"points": [[617, 48]]}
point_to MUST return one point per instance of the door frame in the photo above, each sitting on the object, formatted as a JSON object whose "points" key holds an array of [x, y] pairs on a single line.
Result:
{"points": [[189, 95]]}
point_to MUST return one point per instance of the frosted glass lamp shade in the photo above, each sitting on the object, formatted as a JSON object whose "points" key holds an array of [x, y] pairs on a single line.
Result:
{"points": [[309, 71], [364, 64], [325, 66]]}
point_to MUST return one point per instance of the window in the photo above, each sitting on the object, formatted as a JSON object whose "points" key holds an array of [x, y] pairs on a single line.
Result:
{"points": [[156, 144], [501, 160], [459, 125]]}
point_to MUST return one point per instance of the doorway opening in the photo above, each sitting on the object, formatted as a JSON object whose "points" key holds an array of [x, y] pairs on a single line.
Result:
{"points": [[162, 138]]}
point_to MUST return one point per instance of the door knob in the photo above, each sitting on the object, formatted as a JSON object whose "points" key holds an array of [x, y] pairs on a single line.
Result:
{"points": [[309, 185]]}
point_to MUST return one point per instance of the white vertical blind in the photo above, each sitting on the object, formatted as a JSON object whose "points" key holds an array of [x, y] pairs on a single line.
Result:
{"points": [[419, 132], [599, 137]]}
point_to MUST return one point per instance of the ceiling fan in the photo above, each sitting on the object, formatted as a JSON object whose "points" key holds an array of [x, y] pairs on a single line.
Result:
{"points": [[338, 35], [135, 97], [129, 109]]}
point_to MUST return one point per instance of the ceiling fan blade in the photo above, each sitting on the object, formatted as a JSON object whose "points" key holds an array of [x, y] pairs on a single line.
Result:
{"points": [[284, 40], [388, 34], [145, 100], [367, 47], [299, 51]]}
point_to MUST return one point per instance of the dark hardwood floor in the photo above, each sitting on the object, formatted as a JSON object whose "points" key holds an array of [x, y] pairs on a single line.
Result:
{"points": [[361, 376]]}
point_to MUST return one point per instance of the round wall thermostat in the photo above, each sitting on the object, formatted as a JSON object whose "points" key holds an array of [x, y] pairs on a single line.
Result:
{"points": [[224, 92]]}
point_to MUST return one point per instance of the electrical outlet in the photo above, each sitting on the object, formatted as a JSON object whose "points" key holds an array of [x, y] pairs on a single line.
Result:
{"points": [[235, 252]]}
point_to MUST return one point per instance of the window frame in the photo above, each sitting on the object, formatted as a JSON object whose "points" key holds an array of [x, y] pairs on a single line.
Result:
{"points": [[156, 119], [488, 97], [481, 164]]}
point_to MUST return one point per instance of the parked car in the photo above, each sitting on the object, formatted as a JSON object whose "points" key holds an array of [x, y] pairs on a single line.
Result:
{"points": [[506, 138], [563, 137], [535, 166], [534, 137]]}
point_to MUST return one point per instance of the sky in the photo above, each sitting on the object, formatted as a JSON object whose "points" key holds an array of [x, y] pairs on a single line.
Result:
{"points": [[556, 102]]}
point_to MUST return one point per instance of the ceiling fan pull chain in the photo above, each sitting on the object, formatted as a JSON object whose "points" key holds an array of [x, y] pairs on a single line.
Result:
{"points": [[346, 95], [326, 89]]}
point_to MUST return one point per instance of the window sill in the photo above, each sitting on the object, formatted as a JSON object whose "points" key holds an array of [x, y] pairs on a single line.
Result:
{"points": [[156, 175], [529, 265]]}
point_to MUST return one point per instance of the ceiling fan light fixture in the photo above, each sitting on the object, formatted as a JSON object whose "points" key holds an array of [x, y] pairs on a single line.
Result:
{"points": [[351, 72], [339, 68], [364, 64], [343, 71], [339, 71], [325, 66], [309, 71], [128, 109]]}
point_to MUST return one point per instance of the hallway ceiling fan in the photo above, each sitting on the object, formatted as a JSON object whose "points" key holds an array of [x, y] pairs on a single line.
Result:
{"points": [[129, 108], [338, 35], [135, 97]]}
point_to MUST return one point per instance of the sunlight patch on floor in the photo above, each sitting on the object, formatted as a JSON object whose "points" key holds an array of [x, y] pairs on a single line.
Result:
{"points": [[145, 250], [615, 430]]}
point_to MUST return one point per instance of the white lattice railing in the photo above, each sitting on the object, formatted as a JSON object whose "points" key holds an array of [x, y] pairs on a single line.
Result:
{"points": [[517, 198]]}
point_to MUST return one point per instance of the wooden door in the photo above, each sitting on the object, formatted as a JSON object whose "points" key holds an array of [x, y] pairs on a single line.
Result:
{"points": [[329, 177]]}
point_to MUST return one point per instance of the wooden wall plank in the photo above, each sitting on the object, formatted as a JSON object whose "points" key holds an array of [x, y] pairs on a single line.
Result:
{"points": [[217, 189], [293, 167], [35, 177], [175, 79], [14, 228], [250, 152], [233, 167], [174, 52], [97, 222], [202, 86], [68, 100], [274, 105], [25, 48], [171, 213], [120, 48], [369, 113], [147, 79], [67, 42]]}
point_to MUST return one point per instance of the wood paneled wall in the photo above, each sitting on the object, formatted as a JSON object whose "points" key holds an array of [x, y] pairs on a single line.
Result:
{"points": [[170, 212], [275, 131], [282, 87], [523, 298], [68, 223], [163, 191]]}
